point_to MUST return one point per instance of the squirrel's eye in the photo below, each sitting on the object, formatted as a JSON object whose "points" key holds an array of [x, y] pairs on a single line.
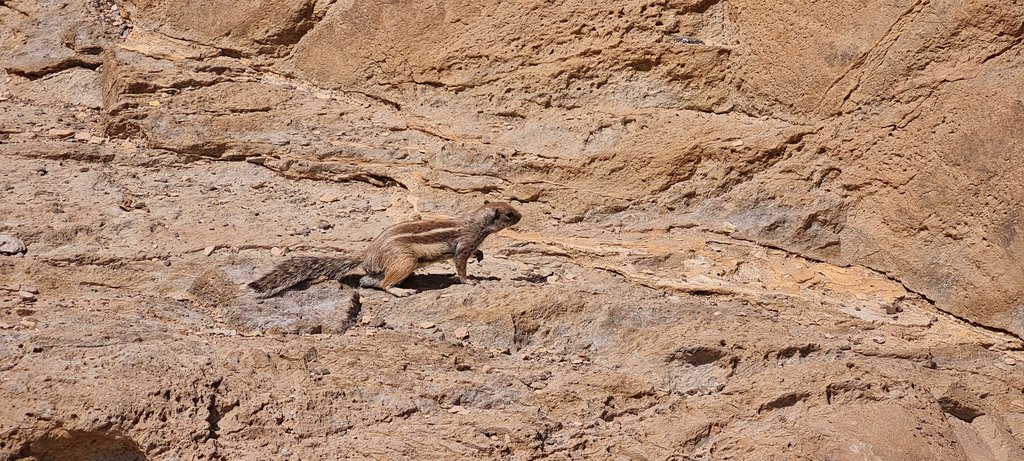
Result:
{"points": [[509, 215]]}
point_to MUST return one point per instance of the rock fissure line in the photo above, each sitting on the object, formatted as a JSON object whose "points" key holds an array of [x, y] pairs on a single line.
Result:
{"points": [[893, 279]]}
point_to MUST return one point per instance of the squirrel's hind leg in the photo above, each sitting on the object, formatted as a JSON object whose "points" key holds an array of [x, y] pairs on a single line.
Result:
{"points": [[376, 281]]}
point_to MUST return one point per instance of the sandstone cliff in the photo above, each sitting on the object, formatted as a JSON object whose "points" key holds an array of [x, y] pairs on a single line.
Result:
{"points": [[751, 228]]}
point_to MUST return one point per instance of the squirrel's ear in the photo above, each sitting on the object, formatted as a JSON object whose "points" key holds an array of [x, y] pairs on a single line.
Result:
{"points": [[486, 202], [497, 214]]}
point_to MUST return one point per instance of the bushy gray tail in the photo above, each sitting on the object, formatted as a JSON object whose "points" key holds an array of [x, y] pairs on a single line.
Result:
{"points": [[295, 270]]}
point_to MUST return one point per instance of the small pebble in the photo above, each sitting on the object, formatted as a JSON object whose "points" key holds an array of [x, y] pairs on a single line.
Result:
{"points": [[526, 194], [27, 296], [58, 133], [209, 250], [685, 39], [301, 231], [1009, 361], [878, 339], [461, 333], [83, 136], [373, 322], [328, 198], [538, 385], [277, 252], [426, 325], [324, 225]]}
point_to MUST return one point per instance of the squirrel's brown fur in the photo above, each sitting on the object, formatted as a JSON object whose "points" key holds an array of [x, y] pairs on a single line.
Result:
{"points": [[398, 251]]}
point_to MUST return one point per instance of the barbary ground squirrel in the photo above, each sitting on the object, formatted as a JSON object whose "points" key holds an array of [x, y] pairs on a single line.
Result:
{"points": [[398, 251]]}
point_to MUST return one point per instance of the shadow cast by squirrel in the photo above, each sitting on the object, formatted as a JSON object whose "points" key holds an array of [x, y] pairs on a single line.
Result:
{"points": [[420, 283]]}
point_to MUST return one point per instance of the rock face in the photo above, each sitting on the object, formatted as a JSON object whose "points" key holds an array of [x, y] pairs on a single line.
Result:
{"points": [[880, 134], [746, 226]]}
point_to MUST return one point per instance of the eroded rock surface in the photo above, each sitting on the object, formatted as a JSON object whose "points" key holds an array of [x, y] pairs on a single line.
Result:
{"points": [[752, 230]]}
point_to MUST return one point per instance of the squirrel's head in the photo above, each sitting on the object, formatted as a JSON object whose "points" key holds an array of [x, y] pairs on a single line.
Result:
{"points": [[499, 215]]}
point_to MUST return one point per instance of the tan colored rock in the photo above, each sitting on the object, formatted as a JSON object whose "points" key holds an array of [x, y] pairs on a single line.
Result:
{"points": [[526, 193], [744, 203], [254, 26], [161, 46], [59, 133], [76, 86], [11, 245]]}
